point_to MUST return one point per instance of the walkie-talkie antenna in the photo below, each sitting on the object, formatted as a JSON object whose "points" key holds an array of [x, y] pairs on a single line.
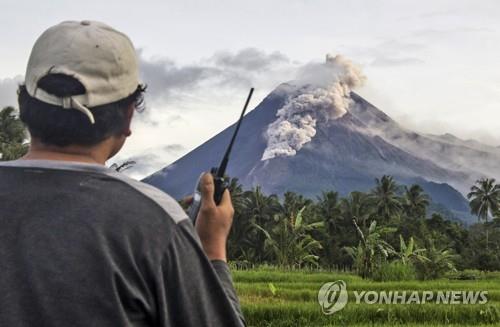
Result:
{"points": [[222, 168], [220, 184]]}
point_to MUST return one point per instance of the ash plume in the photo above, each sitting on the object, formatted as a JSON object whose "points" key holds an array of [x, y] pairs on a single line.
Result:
{"points": [[326, 97]]}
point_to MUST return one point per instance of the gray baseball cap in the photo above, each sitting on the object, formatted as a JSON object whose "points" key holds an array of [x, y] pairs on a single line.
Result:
{"points": [[103, 59]]}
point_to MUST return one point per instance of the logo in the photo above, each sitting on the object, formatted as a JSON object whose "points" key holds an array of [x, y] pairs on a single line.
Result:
{"points": [[332, 297]]}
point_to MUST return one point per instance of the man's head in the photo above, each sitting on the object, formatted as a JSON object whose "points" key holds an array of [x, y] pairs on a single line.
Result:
{"points": [[82, 85]]}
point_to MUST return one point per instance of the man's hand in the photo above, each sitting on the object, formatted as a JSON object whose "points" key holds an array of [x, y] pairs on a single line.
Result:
{"points": [[214, 222]]}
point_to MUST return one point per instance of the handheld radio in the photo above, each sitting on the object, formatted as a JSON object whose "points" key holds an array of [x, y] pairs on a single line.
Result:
{"points": [[221, 184]]}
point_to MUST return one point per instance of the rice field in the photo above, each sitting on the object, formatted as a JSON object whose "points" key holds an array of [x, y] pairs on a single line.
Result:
{"points": [[272, 298]]}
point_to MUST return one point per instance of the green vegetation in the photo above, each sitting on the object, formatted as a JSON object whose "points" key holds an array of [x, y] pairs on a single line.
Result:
{"points": [[382, 240], [293, 300], [484, 200], [386, 233], [394, 271], [12, 135]]}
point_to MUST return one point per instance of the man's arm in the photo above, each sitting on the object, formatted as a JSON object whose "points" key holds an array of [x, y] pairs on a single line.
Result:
{"points": [[222, 270], [199, 290], [196, 291]]}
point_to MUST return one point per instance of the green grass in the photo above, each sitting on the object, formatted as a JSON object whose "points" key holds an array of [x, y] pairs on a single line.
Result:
{"points": [[294, 302]]}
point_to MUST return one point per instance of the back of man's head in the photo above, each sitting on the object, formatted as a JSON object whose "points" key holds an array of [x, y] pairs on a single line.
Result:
{"points": [[81, 79]]}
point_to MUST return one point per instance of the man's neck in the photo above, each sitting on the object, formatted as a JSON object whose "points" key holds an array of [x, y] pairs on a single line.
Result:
{"points": [[47, 155], [40, 151]]}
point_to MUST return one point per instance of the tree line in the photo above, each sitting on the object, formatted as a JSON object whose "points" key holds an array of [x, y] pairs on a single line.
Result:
{"points": [[389, 227]]}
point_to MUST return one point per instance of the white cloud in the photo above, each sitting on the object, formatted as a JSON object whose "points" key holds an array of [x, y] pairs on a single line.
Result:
{"points": [[420, 57], [8, 91]]}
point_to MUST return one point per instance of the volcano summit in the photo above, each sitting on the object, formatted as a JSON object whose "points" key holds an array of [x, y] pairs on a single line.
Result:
{"points": [[308, 139]]}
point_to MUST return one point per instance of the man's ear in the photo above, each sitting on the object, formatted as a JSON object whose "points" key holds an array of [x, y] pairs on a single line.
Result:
{"points": [[129, 114]]}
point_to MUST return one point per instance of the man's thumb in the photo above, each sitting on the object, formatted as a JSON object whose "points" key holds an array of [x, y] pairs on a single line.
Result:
{"points": [[207, 188]]}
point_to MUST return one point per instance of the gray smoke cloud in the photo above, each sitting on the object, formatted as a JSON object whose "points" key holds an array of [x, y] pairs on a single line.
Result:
{"points": [[327, 97]]}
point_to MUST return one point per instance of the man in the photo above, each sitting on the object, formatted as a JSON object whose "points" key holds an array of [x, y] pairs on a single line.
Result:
{"points": [[82, 245]]}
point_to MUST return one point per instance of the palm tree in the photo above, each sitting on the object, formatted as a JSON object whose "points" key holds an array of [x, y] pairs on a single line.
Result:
{"points": [[372, 250], [409, 252], [12, 135], [484, 200], [257, 210], [237, 194], [385, 197], [240, 225], [293, 202], [415, 202], [356, 206], [438, 262], [328, 204], [290, 241], [328, 209]]}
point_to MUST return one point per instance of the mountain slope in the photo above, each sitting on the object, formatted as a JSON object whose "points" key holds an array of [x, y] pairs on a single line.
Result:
{"points": [[346, 154], [470, 159]]}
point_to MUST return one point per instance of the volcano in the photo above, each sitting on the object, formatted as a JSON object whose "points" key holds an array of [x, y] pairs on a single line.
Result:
{"points": [[345, 154]]}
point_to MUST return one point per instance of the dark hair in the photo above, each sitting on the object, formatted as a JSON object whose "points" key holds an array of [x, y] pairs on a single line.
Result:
{"points": [[55, 126]]}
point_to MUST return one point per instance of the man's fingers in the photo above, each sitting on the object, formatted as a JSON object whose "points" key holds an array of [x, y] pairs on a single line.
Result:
{"points": [[207, 188]]}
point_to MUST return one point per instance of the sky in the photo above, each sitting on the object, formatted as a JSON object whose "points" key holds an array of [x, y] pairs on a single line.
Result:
{"points": [[434, 66]]}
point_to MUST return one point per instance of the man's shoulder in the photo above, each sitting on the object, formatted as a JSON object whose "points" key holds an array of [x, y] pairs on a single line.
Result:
{"points": [[103, 183], [157, 196]]}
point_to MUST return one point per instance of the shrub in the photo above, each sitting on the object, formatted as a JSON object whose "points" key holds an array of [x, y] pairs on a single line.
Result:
{"points": [[394, 271], [468, 274], [439, 263]]}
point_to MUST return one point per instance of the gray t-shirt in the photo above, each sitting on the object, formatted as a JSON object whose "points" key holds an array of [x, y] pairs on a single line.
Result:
{"points": [[82, 245]]}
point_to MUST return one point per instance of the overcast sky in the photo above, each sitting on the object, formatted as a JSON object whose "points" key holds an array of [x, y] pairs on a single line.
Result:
{"points": [[432, 65]]}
